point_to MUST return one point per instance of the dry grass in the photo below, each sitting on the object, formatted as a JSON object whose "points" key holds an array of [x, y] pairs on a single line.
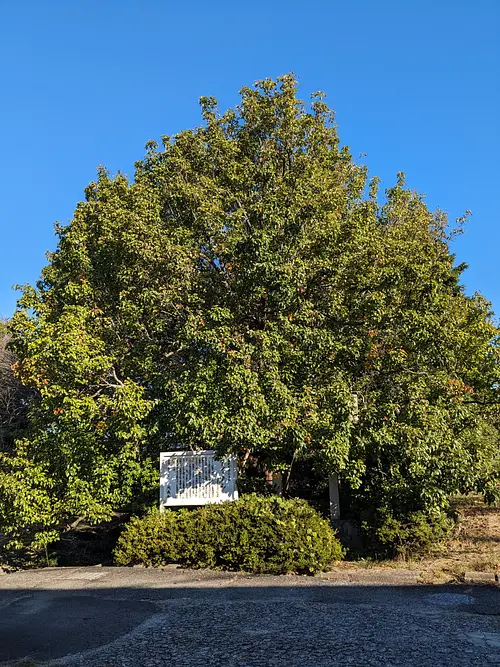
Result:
{"points": [[473, 546]]}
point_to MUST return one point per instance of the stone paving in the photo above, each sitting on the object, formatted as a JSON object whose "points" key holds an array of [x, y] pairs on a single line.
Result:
{"points": [[128, 617]]}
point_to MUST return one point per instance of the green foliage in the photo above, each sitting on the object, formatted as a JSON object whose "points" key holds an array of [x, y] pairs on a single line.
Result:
{"points": [[26, 509], [234, 296], [262, 534], [416, 534], [14, 397]]}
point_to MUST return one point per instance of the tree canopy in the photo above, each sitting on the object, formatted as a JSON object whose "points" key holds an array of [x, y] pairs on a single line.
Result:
{"points": [[236, 295]]}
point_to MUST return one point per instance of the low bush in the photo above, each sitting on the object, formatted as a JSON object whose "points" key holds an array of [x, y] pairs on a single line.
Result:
{"points": [[418, 534], [255, 534]]}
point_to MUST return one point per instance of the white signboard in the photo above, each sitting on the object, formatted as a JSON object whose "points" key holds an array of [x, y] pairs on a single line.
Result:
{"points": [[196, 478]]}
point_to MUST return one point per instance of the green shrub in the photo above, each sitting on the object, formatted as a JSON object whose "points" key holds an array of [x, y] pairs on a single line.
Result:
{"points": [[419, 533], [255, 534]]}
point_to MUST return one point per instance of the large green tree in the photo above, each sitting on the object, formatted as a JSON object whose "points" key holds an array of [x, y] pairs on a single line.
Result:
{"points": [[235, 296]]}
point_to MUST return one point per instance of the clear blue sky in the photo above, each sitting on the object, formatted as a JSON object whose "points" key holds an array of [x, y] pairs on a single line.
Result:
{"points": [[416, 87]]}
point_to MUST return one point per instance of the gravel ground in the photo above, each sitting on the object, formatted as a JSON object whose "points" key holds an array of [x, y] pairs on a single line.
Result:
{"points": [[186, 619]]}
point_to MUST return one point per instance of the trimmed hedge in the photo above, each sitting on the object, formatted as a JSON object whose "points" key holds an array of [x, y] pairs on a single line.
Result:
{"points": [[255, 534]]}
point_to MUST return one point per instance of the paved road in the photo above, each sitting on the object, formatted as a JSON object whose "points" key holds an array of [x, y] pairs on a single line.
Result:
{"points": [[121, 617]]}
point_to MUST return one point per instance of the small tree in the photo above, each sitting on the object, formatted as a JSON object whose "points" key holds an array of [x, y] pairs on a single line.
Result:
{"points": [[235, 296]]}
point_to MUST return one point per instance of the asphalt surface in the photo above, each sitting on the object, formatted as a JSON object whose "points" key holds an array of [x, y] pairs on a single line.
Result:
{"points": [[128, 617]]}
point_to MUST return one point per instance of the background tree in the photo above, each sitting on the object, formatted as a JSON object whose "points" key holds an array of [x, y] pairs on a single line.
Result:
{"points": [[26, 510], [14, 397], [234, 296]]}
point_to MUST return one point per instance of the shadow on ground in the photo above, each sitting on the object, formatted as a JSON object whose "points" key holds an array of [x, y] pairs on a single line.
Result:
{"points": [[245, 622]]}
